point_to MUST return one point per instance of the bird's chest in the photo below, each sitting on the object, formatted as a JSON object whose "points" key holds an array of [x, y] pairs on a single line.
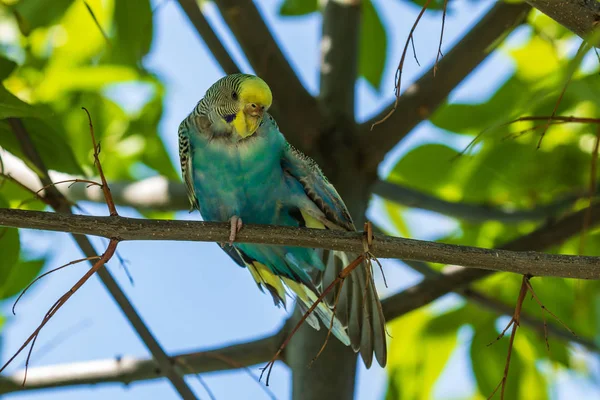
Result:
{"points": [[243, 179]]}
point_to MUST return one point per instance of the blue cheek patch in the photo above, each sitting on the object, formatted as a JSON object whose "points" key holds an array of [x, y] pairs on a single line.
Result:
{"points": [[229, 118]]}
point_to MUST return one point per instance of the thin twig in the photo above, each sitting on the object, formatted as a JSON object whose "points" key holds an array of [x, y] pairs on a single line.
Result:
{"points": [[48, 273], [330, 328], [105, 188], [340, 278], [230, 361], [62, 205], [401, 65], [545, 309], [515, 322], [36, 194], [571, 71], [93, 15], [556, 119], [439, 52], [59, 303]]}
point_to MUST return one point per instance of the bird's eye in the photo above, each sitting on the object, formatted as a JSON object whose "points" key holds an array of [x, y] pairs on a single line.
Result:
{"points": [[234, 95]]}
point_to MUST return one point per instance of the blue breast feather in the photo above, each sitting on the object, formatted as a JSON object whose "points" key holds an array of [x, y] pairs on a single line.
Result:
{"points": [[245, 178]]}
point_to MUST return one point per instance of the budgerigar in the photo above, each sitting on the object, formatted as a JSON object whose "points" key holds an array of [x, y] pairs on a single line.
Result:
{"points": [[237, 166]]}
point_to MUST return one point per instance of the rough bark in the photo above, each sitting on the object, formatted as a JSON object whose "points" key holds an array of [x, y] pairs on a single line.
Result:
{"points": [[579, 16]]}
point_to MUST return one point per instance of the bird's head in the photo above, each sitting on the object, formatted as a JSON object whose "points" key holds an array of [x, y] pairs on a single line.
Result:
{"points": [[240, 101]]}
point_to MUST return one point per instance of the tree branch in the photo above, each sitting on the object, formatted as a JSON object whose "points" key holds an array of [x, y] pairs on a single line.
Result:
{"points": [[428, 92], [527, 263], [130, 369], [60, 204], [579, 16], [339, 57], [466, 211], [208, 35], [338, 72], [295, 109], [394, 306], [499, 307], [158, 193], [430, 289]]}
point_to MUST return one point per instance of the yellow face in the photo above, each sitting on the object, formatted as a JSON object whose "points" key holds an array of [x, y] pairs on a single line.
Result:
{"points": [[255, 98]]}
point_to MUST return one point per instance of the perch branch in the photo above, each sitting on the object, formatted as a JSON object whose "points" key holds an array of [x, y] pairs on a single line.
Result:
{"points": [[521, 262], [579, 16]]}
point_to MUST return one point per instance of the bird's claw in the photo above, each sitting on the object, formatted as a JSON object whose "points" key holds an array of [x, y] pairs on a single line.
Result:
{"points": [[235, 227]]}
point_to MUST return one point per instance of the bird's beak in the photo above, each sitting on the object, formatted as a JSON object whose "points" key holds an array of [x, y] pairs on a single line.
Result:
{"points": [[255, 110]]}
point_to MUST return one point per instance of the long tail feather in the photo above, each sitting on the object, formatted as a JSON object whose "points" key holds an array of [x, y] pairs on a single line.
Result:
{"points": [[325, 313], [363, 314]]}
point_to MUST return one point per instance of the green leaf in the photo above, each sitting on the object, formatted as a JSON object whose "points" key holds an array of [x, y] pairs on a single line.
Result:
{"points": [[13, 107], [474, 118], [34, 14], [394, 212], [58, 81], [529, 177], [414, 369], [10, 247], [7, 66], [537, 59], [297, 7], [18, 197], [132, 36], [439, 341], [145, 126], [373, 45], [21, 275], [426, 167], [50, 143]]}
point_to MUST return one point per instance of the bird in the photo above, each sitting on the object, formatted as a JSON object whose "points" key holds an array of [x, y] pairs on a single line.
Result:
{"points": [[238, 168]]}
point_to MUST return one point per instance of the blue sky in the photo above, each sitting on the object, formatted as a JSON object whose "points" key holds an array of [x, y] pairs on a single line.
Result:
{"points": [[190, 294]]}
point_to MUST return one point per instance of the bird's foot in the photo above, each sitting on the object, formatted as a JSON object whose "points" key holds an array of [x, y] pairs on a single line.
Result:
{"points": [[235, 227]]}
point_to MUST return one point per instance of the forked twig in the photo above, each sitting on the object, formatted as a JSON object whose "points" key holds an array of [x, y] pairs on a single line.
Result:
{"points": [[557, 119], [102, 260], [545, 309], [401, 65], [59, 303], [48, 273], [105, 188], [36, 194], [515, 322]]}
